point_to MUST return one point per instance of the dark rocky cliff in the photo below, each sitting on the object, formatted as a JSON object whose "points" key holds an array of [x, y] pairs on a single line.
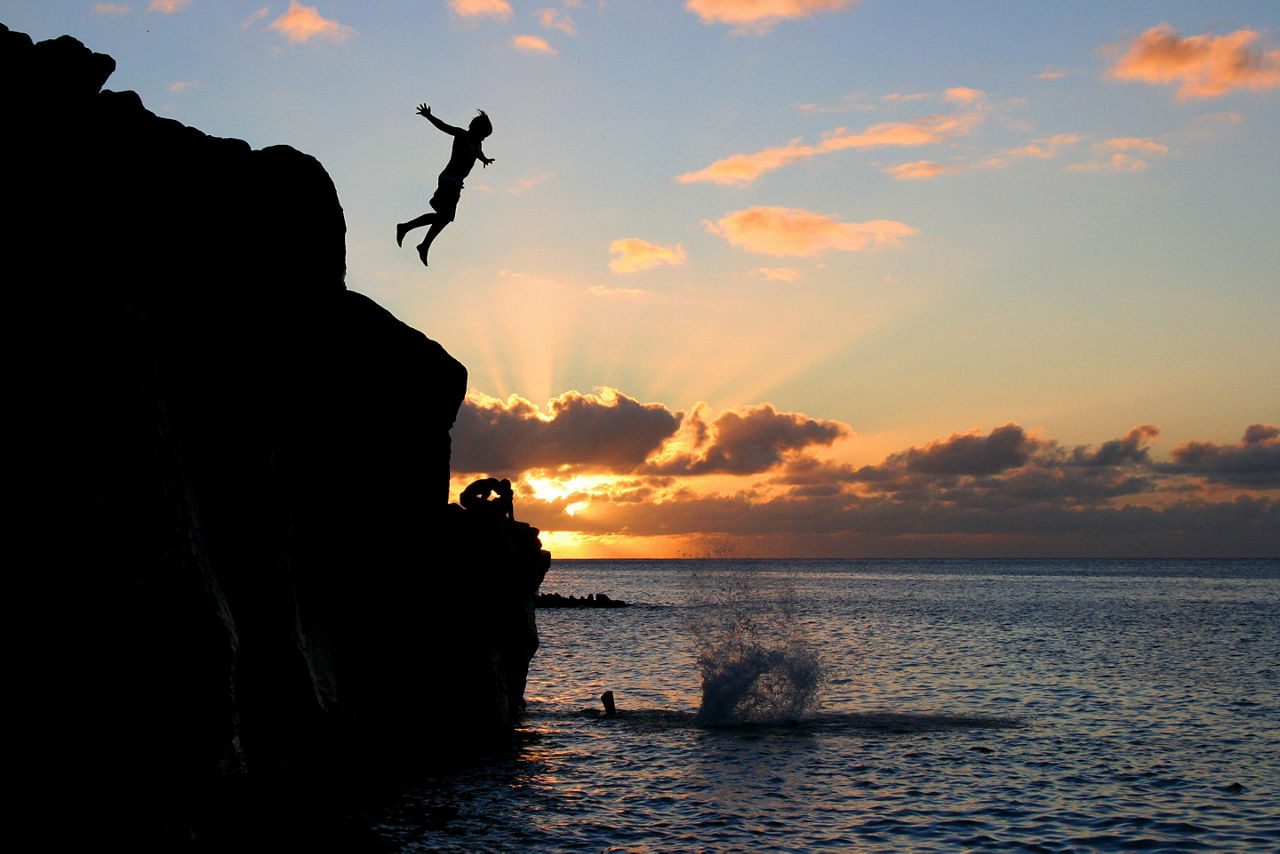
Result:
{"points": [[247, 579]]}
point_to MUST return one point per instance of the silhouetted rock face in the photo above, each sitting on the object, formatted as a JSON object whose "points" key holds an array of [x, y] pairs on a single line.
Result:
{"points": [[248, 578]]}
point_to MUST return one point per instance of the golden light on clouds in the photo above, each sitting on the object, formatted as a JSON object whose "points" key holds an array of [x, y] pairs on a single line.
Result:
{"points": [[921, 169], [1131, 143], [1204, 66], [777, 274], [635, 255], [556, 19], [1045, 147], [548, 488], [1113, 155], [532, 44], [760, 14], [964, 95], [110, 8], [742, 169], [168, 7], [303, 23], [796, 232], [485, 8]]}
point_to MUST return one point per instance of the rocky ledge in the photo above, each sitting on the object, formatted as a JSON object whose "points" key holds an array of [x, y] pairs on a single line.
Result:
{"points": [[248, 585]]}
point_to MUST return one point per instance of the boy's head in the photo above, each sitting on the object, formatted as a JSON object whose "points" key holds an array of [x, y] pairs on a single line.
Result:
{"points": [[480, 125]]}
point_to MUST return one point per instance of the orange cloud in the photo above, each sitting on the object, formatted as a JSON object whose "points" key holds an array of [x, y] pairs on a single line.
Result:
{"points": [[168, 7], [1132, 143], [1120, 160], [844, 105], [1046, 147], [617, 293], [777, 274], [476, 8], [635, 254], [964, 95], [796, 232], [760, 15], [532, 44], [304, 23], [921, 169], [899, 98], [1202, 66], [556, 19], [745, 168], [110, 8]]}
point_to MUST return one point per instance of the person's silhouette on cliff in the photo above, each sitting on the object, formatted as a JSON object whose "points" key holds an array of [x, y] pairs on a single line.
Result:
{"points": [[466, 151], [476, 497]]}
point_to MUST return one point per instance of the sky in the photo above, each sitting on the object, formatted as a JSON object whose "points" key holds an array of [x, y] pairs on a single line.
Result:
{"points": [[831, 278]]}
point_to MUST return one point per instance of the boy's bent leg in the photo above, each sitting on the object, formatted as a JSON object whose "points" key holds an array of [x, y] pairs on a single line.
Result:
{"points": [[404, 228]]}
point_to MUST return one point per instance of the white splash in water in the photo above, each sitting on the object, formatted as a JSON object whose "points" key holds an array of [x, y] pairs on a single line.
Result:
{"points": [[757, 665]]}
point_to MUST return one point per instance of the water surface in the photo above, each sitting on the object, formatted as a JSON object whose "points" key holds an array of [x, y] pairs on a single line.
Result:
{"points": [[1046, 705]]}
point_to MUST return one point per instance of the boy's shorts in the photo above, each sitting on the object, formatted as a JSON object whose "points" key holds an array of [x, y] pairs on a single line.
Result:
{"points": [[445, 201]]}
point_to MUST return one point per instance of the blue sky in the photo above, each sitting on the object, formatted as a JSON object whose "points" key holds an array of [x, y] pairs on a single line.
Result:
{"points": [[1056, 215]]}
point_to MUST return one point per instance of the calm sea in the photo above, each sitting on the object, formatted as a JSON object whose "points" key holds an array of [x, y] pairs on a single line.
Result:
{"points": [[885, 706]]}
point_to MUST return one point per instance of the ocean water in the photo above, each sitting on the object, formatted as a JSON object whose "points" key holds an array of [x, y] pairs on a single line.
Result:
{"points": [[884, 706]]}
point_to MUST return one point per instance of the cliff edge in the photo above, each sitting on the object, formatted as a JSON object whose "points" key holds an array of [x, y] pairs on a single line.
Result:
{"points": [[247, 579]]}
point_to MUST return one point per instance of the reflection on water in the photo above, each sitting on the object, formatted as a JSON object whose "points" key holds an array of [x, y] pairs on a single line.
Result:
{"points": [[967, 705]]}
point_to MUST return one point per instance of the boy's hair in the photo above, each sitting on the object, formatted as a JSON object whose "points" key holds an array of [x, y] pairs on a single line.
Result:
{"points": [[481, 124]]}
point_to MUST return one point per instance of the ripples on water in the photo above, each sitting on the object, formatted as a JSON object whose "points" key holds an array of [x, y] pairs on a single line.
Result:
{"points": [[1037, 705]]}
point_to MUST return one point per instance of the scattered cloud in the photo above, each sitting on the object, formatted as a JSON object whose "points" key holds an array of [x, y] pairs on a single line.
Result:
{"points": [[532, 44], [110, 8], [604, 432], [1052, 74], [481, 8], [528, 182], [1113, 155], [1132, 143], [303, 23], [255, 17], [964, 95], [744, 441], [635, 254], [844, 105], [777, 274], [606, 466], [617, 293], [1045, 147], [796, 232], [182, 85], [1253, 462], [742, 169], [168, 7], [759, 16], [1204, 66], [922, 169], [901, 98], [556, 19]]}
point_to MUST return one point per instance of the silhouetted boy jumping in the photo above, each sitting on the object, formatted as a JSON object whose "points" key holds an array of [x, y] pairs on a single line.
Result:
{"points": [[466, 151]]}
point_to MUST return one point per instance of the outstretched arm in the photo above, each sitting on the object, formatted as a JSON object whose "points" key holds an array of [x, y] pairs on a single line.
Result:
{"points": [[483, 160], [425, 112]]}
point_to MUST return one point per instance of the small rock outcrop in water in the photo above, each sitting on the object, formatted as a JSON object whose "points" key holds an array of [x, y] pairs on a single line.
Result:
{"points": [[247, 579], [592, 600]]}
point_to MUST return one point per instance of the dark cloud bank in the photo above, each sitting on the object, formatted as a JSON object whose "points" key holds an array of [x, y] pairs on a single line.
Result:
{"points": [[1003, 493]]}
